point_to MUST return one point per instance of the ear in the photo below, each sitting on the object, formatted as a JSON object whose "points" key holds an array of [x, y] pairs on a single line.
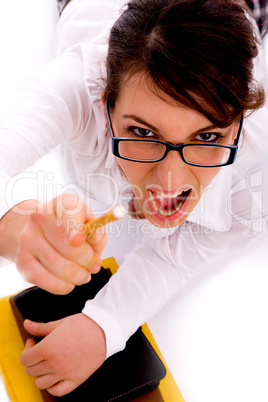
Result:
{"points": [[103, 103], [239, 130]]}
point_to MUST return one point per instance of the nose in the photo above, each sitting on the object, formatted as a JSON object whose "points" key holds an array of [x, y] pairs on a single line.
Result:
{"points": [[172, 171]]}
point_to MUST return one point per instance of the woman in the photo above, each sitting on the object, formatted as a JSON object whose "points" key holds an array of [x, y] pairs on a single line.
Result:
{"points": [[178, 88]]}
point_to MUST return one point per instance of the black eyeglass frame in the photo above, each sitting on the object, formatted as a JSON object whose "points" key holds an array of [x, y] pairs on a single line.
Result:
{"points": [[170, 147]]}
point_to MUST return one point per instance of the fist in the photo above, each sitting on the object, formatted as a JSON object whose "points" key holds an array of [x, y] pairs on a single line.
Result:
{"points": [[53, 251]]}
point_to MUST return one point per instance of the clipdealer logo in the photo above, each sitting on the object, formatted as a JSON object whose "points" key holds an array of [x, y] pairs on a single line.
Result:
{"points": [[43, 186], [248, 192]]}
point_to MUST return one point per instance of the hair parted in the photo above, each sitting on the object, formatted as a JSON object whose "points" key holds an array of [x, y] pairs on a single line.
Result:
{"points": [[199, 52]]}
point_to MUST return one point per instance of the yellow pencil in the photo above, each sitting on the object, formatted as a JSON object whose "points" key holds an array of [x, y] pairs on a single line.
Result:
{"points": [[114, 214]]}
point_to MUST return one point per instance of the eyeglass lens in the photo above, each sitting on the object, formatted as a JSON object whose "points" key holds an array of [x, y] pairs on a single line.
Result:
{"points": [[150, 151], [206, 155]]}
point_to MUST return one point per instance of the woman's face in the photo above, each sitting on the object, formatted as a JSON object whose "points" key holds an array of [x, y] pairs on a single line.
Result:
{"points": [[166, 192]]}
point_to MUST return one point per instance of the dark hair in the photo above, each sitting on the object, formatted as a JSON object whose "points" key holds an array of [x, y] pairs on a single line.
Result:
{"points": [[199, 52]]}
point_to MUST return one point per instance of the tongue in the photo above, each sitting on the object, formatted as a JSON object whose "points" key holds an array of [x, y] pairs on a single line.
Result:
{"points": [[170, 203]]}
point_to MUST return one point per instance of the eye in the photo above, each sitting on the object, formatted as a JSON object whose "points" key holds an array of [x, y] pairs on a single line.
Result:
{"points": [[140, 132], [208, 137]]}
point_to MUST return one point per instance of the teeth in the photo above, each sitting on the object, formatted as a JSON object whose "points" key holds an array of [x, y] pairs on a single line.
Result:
{"points": [[165, 213], [163, 195]]}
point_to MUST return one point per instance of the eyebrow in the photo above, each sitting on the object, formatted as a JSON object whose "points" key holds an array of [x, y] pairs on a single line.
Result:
{"points": [[155, 130], [141, 121]]}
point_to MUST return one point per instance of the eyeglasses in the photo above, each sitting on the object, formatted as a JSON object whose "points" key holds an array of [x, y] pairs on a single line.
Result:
{"points": [[149, 151]]}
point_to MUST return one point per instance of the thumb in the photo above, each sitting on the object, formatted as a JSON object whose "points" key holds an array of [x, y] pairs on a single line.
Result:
{"points": [[39, 328]]}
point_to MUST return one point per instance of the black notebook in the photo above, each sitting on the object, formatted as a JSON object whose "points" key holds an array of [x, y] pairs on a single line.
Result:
{"points": [[124, 376]]}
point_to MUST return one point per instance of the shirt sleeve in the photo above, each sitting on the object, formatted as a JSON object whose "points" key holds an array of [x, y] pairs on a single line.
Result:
{"points": [[142, 285], [151, 274], [47, 109]]}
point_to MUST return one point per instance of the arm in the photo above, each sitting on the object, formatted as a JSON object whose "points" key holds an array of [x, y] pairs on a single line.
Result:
{"points": [[11, 226], [50, 107]]}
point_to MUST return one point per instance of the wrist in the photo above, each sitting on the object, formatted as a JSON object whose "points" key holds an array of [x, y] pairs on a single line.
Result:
{"points": [[11, 225]]}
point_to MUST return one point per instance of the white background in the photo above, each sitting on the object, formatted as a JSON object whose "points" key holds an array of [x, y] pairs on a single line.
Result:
{"points": [[214, 336]]}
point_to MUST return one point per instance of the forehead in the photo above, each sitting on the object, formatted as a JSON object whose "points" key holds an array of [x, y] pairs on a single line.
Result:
{"points": [[139, 97]]}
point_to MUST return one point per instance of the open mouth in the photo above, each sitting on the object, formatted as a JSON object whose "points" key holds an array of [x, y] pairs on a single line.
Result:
{"points": [[168, 205]]}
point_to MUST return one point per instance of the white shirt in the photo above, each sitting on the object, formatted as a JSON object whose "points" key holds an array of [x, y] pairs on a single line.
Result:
{"points": [[60, 106]]}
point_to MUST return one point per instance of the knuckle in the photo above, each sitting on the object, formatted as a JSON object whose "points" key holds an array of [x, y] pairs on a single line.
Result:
{"points": [[25, 238], [22, 359], [73, 253], [70, 203], [29, 371], [77, 274], [90, 261], [63, 288], [53, 362], [81, 255], [51, 260], [56, 393], [39, 383], [86, 278], [37, 218], [71, 270], [60, 233], [95, 269]]}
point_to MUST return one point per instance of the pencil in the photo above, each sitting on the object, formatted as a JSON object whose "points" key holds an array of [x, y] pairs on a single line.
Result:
{"points": [[114, 214]]}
